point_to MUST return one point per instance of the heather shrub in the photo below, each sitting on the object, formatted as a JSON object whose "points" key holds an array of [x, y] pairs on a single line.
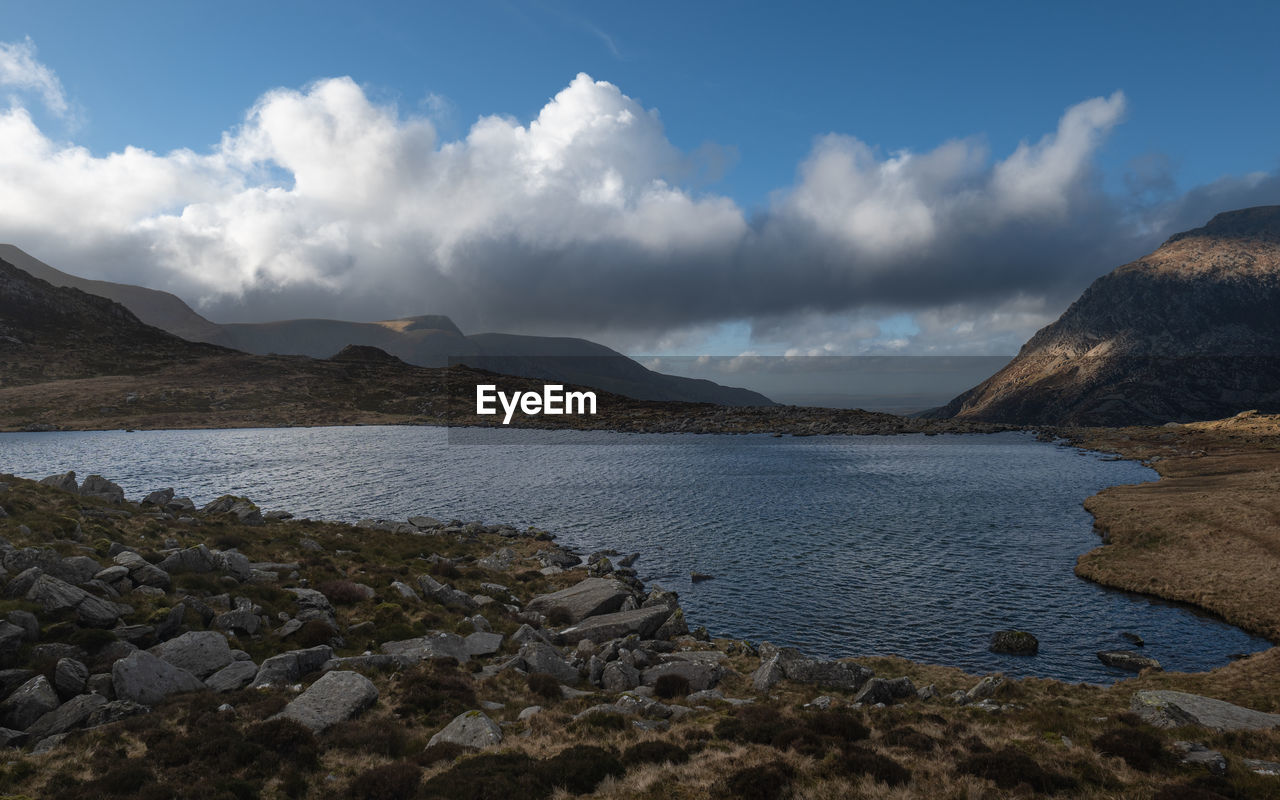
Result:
{"points": [[398, 781], [654, 751], [671, 686], [545, 686]]}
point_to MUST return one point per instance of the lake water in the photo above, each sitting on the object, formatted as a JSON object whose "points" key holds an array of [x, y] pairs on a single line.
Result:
{"points": [[842, 546]]}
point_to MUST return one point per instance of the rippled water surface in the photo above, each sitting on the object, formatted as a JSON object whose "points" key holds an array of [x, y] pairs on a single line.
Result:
{"points": [[919, 546]]}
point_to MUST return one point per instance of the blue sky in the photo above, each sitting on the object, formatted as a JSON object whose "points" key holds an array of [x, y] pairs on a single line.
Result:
{"points": [[742, 91]]}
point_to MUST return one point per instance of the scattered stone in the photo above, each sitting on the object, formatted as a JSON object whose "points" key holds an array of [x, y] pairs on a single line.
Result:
{"points": [[700, 675], [538, 657], [471, 729], [446, 594], [986, 687], [147, 679], [336, 697], [529, 713], [1127, 659], [201, 653], [618, 676], [69, 716], [194, 559], [500, 560], [588, 598], [482, 643], [141, 572], [29, 623], [1198, 754], [404, 590], [70, 677], [1169, 709], [777, 663], [288, 668], [1269, 768], [1018, 643], [101, 488], [642, 622], [28, 703], [115, 711], [875, 690], [240, 622], [66, 482], [434, 645], [54, 594]]}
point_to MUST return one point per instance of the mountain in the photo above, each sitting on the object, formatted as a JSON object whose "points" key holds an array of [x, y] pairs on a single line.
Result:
{"points": [[1189, 332], [426, 341]]}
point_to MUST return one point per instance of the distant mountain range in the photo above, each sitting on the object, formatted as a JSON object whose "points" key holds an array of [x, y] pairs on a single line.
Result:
{"points": [[1189, 332], [428, 341]]}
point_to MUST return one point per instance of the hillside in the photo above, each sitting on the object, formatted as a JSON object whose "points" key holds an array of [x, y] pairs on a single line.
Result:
{"points": [[1189, 332], [431, 340]]}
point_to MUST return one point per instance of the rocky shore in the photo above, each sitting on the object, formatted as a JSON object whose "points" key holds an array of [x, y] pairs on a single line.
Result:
{"points": [[227, 651]]}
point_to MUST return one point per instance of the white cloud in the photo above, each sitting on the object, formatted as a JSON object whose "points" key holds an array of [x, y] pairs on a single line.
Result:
{"points": [[322, 202], [20, 70]]}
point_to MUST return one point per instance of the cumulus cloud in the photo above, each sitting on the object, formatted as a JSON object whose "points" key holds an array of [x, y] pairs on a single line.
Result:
{"points": [[322, 202], [20, 70]]}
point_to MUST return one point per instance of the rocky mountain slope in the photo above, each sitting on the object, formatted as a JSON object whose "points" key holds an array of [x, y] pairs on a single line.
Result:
{"points": [[431, 340], [1189, 332]]}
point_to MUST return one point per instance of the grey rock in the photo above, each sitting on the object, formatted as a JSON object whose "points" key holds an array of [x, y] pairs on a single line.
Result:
{"points": [[1271, 769], [642, 622], [115, 711], [1198, 755], [1169, 709], [194, 559], [11, 679], [1127, 659], [49, 744], [235, 564], [28, 703], [588, 598], [70, 715], [529, 713], [675, 625], [446, 594], [288, 668], [102, 684], [483, 644], [470, 729], [336, 697], [141, 571], [619, 677], [1019, 643], [70, 677], [700, 675], [527, 633], [160, 497], [875, 690], [242, 508], [787, 662], [201, 653], [78, 569], [172, 623], [480, 624], [54, 594], [404, 590], [147, 679], [11, 738], [111, 574], [241, 622], [985, 687], [309, 600], [375, 661], [437, 644], [902, 688], [21, 583], [29, 623], [101, 488], [11, 639], [500, 560], [109, 655], [543, 658], [66, 482]]}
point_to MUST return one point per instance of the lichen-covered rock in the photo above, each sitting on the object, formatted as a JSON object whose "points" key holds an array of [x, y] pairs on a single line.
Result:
{"points": [[101, 488], [70, 715], [588, 598], [777, 663], [539, 658], [436, 644], [70, 677], [66, 482], [1127, 659], [287, 668], [236, 675], [1018, 643], [1169, 709], [54, 594], [28, 703]]}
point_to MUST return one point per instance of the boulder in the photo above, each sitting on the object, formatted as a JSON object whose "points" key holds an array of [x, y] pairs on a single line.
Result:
{"points": [[643, 622], [287, 668], [482, 643], [446, 594], [985, 688], [436, 644], [336, 697], [77, 569], [11, 738], [70, 715], [527, 633], [201, 653], [1018, 643], [1127, 659], [115, 711], [28, 703], [470, 729], [101, 488], [11, 639], [66, 482], [70, 677], [240, 622], [193, 559], [404, 590], [54, 594], [588, 598], [874, 691], [11, 679], [236, 675], [1169, 709], [147, 679], [160, 497], [619, 676], [540, 658], [787, 662], [29, 623], [141, 571], [700, 675], [236, 565]]}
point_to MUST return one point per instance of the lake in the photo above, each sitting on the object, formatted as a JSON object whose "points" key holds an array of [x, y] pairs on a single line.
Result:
{"points": [[919, 546]]}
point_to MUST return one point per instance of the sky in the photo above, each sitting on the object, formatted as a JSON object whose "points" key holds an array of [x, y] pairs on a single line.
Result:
{"points": [[666, 178]]}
